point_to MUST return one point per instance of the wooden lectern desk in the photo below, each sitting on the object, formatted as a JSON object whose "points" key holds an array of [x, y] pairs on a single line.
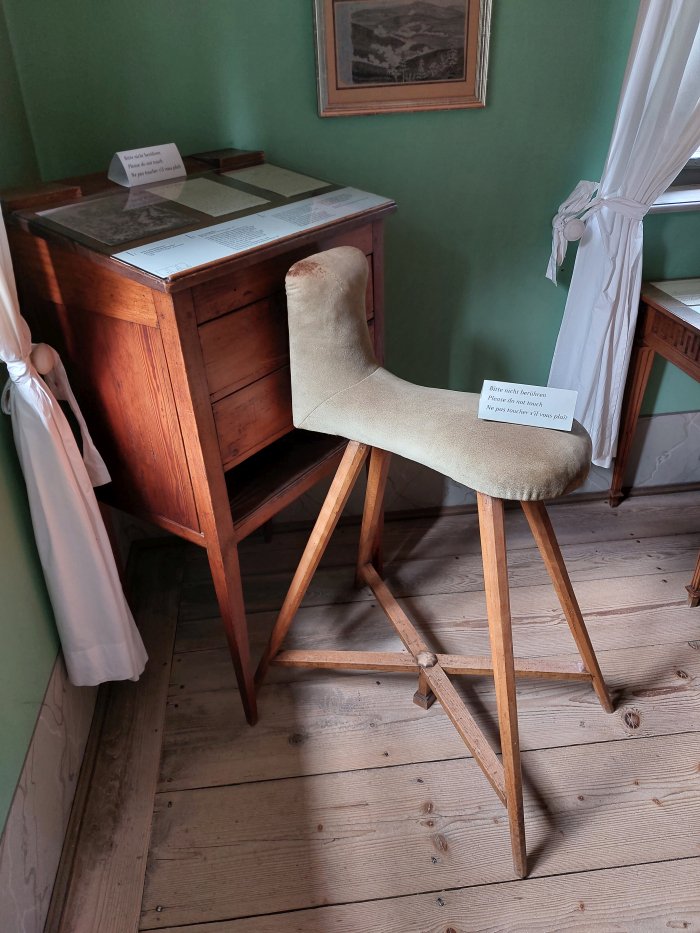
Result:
{"points": [[184, 379]]}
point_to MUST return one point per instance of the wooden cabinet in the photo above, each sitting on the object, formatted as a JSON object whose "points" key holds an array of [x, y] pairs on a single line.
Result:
{"points": [[185, 386]]}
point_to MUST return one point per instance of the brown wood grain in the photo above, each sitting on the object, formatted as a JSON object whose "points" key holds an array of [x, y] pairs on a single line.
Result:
{"points": [[141, 370], [253, 417], [413, 828], [314, 722], [457, 621], [341, 487], [110, 857], [650, 898], [546, 541], [120, 375], [456, 533], [53, 272], [250, 284], [463, 574], [264, 484], [244, 345], [179, 328], [493, 550]]}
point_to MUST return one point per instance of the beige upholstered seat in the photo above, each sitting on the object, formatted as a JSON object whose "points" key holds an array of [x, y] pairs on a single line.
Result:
{"points": [[338, 387]]}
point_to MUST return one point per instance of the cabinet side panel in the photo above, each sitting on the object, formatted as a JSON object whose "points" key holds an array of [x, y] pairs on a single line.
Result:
{"points": [[65, 277], [119, 375]]}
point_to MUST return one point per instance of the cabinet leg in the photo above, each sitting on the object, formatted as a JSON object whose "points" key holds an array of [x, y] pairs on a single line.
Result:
{"points": [[226, 575], [640, 367]]}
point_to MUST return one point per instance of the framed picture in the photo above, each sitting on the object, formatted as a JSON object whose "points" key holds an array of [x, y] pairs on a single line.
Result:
{"points": [[385, 56]]}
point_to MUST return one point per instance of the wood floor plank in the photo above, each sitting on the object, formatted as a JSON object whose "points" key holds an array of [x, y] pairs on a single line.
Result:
{"points": [[461, 573], [617, 614], [221, 853], [110, 859], [446, 535], [652, 898], [331, 721]]}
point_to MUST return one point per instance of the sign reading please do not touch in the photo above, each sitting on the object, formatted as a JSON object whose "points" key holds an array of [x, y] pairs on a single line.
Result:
{"points": [[516, 403]]}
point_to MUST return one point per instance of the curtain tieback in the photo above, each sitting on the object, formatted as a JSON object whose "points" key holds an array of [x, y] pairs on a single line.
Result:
{"points": [[17, 371], [569, 223]]}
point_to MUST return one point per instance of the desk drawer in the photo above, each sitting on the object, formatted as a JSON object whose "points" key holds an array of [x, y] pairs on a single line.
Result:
{"points": [[254, 416], [248, 285], [247, 344]]}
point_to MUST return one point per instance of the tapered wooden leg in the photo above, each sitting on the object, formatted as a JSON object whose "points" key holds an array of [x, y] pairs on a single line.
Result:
{"points": [[693, 587], [546, 541], [493, 551], [373, 512], [637, 378], [424, 696], [341, 487]]}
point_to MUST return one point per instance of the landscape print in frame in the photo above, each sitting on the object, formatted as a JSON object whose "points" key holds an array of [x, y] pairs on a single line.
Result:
{"points": [[384, 56]]}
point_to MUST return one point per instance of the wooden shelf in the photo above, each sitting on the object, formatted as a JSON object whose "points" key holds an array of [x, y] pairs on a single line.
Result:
{"points": [[272, 479]]}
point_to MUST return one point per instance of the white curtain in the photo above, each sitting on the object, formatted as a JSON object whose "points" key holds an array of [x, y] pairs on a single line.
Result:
{"points": [[99, 639], [656, 131]]}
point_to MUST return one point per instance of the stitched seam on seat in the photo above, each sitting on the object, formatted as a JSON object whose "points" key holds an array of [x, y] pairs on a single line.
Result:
{"points": [[339, 392]]}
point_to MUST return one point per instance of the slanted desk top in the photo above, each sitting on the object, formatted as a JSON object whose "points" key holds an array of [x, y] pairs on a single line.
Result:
{"points": [[184, 377]]}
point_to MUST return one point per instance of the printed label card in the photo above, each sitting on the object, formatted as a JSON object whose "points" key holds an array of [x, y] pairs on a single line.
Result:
{"points": [[516, 403], [144, 166]]}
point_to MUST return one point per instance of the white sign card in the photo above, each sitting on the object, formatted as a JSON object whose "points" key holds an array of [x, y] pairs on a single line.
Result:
{"points": [[144, 166], [208, 196], [516, 403], [280, 180], [189, 250]]}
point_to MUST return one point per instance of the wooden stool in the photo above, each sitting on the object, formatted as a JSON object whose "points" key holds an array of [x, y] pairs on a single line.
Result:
{"points": [[325, 296]]}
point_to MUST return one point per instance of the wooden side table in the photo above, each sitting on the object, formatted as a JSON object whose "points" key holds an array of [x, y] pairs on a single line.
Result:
{"points": [[668, 324], [184, 383]]}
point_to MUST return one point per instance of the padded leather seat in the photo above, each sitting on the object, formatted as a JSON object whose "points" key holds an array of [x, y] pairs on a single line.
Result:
{"points": [[339, 388]]}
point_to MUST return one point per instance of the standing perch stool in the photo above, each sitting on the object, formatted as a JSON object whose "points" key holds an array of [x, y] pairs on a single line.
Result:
{"points": [[339, 388]]}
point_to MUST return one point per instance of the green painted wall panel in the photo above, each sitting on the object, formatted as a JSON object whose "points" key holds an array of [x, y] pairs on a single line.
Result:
{"points": [[671, 251], [467, 297], [18, 163], [28, 641]]}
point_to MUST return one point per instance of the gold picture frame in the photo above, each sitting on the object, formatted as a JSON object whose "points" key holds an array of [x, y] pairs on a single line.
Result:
{"points": [[388, 56]]}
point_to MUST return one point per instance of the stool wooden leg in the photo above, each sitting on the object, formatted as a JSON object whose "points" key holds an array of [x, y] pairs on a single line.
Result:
{"points": [[493, 551], [543, 533], [693, 587], [372, 513], [341, 487], [424, 696]]}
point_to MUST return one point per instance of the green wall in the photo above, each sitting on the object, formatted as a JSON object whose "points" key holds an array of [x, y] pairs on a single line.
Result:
{"points": [[476, 190], [28, 642]]}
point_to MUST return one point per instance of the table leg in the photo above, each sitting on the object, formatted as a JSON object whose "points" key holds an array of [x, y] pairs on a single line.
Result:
{"points": [[638, 376], [226, 574]]}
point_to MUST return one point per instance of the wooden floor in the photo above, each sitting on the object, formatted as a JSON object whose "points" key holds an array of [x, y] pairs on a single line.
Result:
{"points": [[348, 808]]}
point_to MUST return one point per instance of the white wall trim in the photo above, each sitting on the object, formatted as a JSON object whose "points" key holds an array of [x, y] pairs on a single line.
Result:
{"points": [[31, 843]]}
